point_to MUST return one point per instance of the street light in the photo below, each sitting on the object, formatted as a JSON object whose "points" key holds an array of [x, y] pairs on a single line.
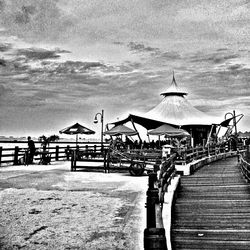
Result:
{"points": [[234, 126], [234, 120], [96, 121]]}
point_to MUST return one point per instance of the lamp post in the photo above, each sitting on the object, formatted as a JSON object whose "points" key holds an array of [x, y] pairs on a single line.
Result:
{"points": [[234, 120], [96, 121], [234, 126]]}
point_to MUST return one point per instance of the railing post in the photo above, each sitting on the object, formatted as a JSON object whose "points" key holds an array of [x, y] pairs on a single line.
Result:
{"points": [[15, 162], [57, 153], [86, 151], [102, 149], [1, 150], [73, 160], [185, 156], [154, 238], [152, 198], [105, 161], [248, 152], [108, 160], [67, 154]]}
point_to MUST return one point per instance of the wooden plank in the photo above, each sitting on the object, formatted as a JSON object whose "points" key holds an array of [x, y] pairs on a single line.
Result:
{"points": [[212, 209]]}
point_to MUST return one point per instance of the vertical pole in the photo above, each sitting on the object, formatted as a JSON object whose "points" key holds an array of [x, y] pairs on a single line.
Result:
{"points": [[15, 162], [76, 140], [1, 150], [105, 161], [67, 150], [75, 155], [234, 120], [102, 117], [72, 161], [57, 153], [135, 129], [192, 138], [154, 238], [86, 151], [108, 159], [152, 199]]}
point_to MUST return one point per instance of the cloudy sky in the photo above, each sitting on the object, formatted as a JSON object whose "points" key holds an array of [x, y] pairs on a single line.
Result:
{"points": [[63, 61]]}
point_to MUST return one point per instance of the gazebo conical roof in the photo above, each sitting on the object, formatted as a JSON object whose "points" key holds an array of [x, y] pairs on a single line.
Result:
{"points": [[174, 89], [176, 109]]}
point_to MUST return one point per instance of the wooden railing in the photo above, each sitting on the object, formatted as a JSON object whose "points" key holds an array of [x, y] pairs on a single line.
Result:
{"points": [[158, 182], [12, 156], [89, 154], [244, 158], [245, 168], [154, 234], [188, 155], [133, 160]]}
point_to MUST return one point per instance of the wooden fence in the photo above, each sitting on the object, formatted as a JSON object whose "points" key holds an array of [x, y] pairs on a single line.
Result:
{"points": [[12, 156], [244, 159]]}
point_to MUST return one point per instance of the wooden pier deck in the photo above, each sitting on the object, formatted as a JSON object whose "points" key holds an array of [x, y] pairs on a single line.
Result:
{"points": [[212, 209]]}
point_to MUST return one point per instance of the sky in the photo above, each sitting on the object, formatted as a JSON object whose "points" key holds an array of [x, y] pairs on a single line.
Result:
{"points": [[63, 61]]}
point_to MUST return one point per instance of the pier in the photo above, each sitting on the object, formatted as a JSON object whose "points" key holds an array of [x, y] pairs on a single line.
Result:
{"points": [[212, 209]]}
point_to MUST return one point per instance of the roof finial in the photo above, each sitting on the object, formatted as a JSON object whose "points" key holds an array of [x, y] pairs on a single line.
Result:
{"points": [[173, 81], [173, 89]]}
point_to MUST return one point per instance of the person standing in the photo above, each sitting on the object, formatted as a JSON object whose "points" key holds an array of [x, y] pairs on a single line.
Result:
{"points": [[31, 150]]}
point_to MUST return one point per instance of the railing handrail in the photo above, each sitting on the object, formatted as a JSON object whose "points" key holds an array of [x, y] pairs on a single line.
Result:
{"points": [[158, 183], [245, 167], [11, 155]]}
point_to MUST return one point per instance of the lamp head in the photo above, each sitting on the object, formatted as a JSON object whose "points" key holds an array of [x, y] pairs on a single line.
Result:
{"points": [[95, 120]]}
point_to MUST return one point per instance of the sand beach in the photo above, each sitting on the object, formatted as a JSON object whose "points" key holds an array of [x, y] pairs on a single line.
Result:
{"points": [[49, 207]]}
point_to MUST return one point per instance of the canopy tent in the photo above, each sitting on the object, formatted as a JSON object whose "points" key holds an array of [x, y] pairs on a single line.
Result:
{"points": [[169, 131], [145, 122], [76, 129], [121, 130], [174, 110]]}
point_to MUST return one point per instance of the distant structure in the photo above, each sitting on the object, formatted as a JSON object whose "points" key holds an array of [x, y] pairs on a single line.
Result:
{"points": [[176, 110]]}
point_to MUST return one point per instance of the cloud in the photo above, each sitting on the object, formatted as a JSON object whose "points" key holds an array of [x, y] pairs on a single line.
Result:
{"points": [[215, 58], [33, 20], [170, 55], [39, 54], [25, 14], [140, 47], [5, 47], [2, 62], [3, 91], [207, 50]]}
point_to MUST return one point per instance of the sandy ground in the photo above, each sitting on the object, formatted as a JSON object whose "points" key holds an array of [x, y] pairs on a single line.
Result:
{"points": [[49, 207]]}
